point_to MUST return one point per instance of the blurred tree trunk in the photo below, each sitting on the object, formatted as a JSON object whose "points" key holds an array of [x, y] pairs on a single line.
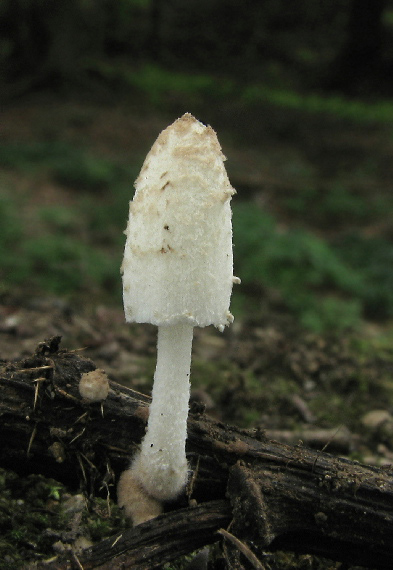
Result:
{"points": [[360, 56], [22, 25], [64, 47], [49, 38], [154, 43]]}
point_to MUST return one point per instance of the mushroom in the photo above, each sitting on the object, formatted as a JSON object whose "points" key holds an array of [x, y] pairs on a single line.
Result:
{"points": [[94, 386], [177, 274]]}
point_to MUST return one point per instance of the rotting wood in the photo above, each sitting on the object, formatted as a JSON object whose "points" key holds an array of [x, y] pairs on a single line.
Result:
{"points": [[274, 495], [152, 544]]}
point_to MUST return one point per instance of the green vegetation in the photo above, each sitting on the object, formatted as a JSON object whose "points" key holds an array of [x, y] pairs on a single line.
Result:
{"points": [[57, 257], [66, 250], [313, 281], [372, 259], [334, 205], [67, 164], [336, 106], [163, 87]]}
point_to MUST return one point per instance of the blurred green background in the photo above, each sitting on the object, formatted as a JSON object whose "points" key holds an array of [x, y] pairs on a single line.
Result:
{"points": [[301, 100]]}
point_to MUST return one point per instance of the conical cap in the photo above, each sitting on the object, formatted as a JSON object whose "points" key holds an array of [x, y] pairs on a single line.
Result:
{"points": [[178, 264]]}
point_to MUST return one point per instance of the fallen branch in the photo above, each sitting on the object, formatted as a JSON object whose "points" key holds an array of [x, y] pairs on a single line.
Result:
{"points": [[152, 544], [338, 440], [275, 496]]}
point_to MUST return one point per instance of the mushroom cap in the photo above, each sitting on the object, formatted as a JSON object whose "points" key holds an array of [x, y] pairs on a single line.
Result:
{"points": [[178, 263]]}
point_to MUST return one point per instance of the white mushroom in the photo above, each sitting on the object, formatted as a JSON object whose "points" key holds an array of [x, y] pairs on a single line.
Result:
{"points": [[177, 274]]}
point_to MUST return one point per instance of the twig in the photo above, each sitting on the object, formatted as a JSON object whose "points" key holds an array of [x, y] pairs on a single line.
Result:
{"points": [[33, 434], [36, 389], [243, 548], [77, 561]]}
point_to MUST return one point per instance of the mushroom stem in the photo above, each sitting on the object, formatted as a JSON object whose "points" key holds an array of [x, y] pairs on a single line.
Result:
{"points": [[161, 466]]}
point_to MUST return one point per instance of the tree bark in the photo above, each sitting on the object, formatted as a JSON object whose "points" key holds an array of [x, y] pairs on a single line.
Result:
{"points": [[273, 496]]}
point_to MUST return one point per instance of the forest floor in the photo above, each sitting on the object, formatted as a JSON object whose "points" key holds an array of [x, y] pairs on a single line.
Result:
{"points": [[331, 392]]}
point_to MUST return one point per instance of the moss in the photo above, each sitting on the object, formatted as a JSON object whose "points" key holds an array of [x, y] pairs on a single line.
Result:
{"points": [[34, 515], [28, 507], [104, 519]]}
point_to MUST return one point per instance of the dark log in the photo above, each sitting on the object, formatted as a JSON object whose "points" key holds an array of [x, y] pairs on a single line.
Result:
{"points": [[274, 495], [152, 544]]}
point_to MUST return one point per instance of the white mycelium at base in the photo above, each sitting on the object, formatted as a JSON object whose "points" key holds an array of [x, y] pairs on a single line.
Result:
{"points": [[138, 505], [161, 465]]}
